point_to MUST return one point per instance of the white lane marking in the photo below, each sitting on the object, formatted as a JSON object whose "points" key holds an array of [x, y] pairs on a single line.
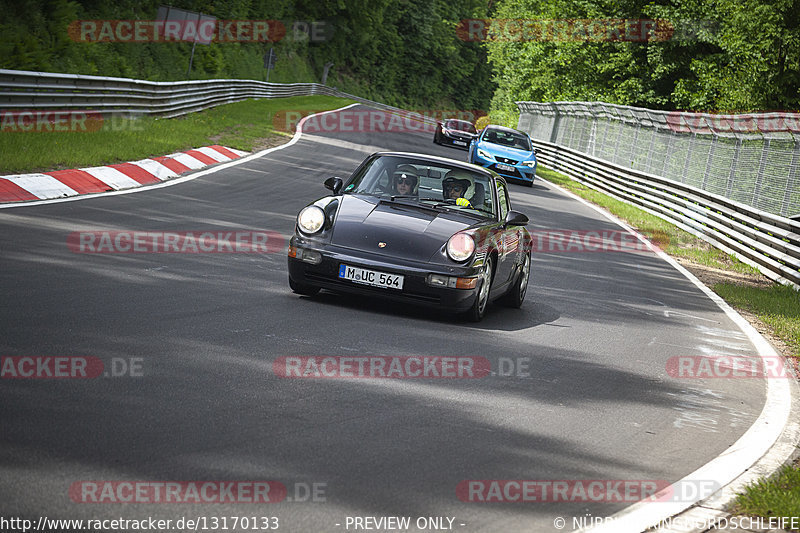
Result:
{"points": [[112, 177], [179, 180], [719, 332], [155, 168], [745, 452], [669, 313], [213, 154], [41, 185]]}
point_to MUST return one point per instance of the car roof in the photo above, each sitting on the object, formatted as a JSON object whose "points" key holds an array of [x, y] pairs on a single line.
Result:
{"points": [[504, 128], [441, 160]]}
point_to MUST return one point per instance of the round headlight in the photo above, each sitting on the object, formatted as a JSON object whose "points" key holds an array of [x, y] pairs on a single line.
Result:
{"points": [[460, 247], [311, 219]]}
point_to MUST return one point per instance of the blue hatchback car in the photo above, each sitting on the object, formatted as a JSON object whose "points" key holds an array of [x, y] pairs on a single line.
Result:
{"points": [[506, 151]]}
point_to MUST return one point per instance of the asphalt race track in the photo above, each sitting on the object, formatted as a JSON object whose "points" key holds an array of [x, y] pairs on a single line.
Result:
{"points": [[202, 331]]}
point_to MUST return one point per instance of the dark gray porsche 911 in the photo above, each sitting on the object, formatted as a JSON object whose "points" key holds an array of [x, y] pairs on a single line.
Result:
{"points": [[416, 228]]}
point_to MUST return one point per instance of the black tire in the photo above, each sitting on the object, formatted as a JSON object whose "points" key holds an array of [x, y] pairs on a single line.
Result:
{"points": [[529, 183], [516, 294], [478, 309], [302, 288]]}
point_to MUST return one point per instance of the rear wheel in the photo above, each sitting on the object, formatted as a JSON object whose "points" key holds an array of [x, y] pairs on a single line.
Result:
{"points": [[516, 294], [303, 288], [478, 309]]}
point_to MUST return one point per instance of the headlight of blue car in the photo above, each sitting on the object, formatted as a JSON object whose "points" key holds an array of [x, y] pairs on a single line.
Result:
{"points": [[484, 154], [529, 164]]}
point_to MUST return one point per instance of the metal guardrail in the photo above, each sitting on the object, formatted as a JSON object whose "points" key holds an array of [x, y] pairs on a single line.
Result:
{"points": [[766, 241], [41, 91], [751, 158]]}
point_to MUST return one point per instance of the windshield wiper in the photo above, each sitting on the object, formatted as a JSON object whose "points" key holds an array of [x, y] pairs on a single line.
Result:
{"points": [[416, 204], [471, 210]]}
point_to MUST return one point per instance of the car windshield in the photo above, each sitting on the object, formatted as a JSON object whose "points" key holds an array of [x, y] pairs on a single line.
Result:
{"points": [[405, 179], [460, 125], [507, 138]]}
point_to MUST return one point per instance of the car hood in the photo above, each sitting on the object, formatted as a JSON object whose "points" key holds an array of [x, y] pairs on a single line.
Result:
{"points": [[407, 231], [507, 151]]}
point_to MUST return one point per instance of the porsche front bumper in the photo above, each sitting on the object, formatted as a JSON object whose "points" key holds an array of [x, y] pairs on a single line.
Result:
{"points": [[416, 287]]}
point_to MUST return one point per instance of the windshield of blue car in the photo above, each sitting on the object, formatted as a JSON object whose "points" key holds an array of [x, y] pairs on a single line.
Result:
{"points": [[460, 125], [404, 180], [507, 138]]}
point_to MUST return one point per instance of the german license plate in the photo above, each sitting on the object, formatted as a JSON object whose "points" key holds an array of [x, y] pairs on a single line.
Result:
{"points": [[370, 277], [460, 143], [507, 168]]}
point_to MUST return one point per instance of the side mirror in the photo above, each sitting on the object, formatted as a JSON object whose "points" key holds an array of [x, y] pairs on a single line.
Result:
{"points": [[334, 184], [515, 218]]}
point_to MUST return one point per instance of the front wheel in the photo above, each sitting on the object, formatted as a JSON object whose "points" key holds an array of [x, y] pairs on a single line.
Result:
{"points": [[302, 288], [516, 294], [478, 309]]}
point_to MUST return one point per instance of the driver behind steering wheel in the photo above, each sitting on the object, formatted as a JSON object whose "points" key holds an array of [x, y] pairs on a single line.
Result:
{"points": [[458, 185]]}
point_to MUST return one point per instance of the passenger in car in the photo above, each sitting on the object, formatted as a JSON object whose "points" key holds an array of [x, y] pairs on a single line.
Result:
{"points": [[405, 180]]}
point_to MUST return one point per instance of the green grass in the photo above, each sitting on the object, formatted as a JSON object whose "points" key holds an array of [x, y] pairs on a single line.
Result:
{"points": [[776, 496], [239, 125], [778, 307], [668, 237]]}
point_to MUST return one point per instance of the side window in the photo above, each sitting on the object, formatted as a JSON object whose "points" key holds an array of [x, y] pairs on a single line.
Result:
{"points": [[502, 199]]}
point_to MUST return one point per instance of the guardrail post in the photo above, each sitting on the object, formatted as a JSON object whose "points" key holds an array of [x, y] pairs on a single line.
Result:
{"points": [[791, 182], [634, 146], [599, 146], [649, 159], [707, 171], [670, 140], [760, 177], [734, 164], [556, 124], [590, 148], [615, 158], [692, 142]]}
